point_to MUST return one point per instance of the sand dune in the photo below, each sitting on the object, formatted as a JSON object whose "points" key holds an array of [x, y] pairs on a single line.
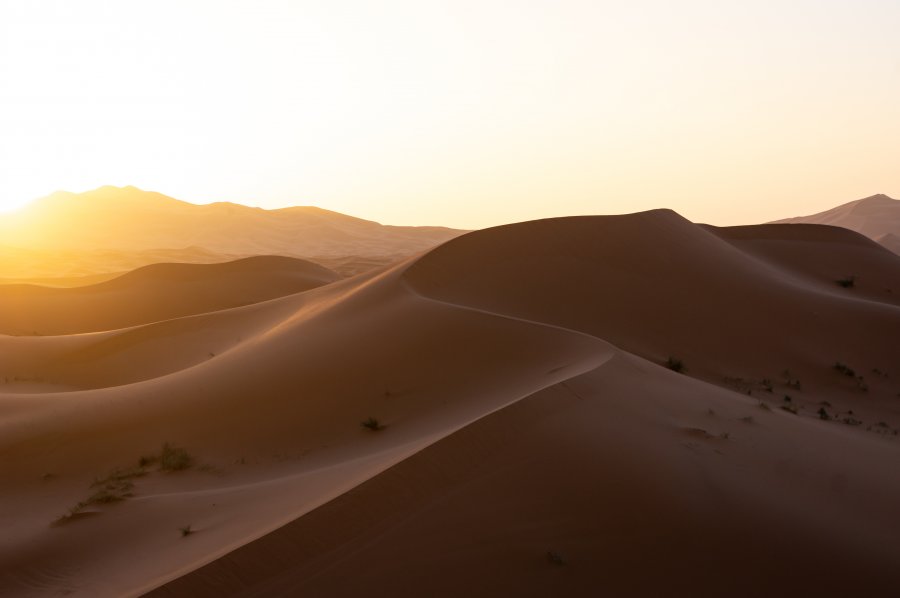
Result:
{"points": [[154, 293], [736, 306], [518, 372], [877, 217], [890, 241]]}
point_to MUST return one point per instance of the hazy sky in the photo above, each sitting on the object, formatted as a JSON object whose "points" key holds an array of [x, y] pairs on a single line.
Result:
{"points": [[463, 113]]}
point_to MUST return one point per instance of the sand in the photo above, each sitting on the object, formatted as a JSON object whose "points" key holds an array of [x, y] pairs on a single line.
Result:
{"points": [[533, 443], [877, 217]]}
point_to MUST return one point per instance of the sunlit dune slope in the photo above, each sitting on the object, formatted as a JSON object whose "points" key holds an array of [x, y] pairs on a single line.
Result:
{"points": [[153, 293], [890, 241], [877, 217], [531, 441]]}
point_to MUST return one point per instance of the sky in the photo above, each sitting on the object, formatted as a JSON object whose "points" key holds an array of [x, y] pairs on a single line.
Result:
{"points": [[459, 113]]}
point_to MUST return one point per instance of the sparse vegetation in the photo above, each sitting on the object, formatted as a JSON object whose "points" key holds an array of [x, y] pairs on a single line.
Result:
{"points": [[844, 369], [186, 531], [118, 485], [676, 365], [848, 282], [823, 414], [789, 380], [370, 423], [174, 458], [851, 373]]}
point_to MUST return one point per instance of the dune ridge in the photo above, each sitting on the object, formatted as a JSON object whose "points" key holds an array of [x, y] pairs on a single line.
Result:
{"points": [[153, 293], [877, 217], [519, 376]]}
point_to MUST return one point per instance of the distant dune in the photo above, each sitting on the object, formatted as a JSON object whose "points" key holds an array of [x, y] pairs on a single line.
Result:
{"points": [[67, 234], [154, 293], [610, 405], [877, 217]]}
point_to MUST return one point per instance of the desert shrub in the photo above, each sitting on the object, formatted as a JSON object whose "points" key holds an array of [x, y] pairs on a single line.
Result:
{"points": [[848, 282], [844, 369], [675, 364], [823, 414], [173, 458], [370, 423]]}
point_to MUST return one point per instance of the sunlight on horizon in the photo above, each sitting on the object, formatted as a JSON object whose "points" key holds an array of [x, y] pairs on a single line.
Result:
{"points": [[463, 114]]}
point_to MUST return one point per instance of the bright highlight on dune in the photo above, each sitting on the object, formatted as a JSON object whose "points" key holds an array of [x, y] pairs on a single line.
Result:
{"points": [[264, 339]]}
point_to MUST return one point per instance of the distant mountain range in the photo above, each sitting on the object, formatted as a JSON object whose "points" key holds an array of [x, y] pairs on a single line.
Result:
{"points": [[68, 234], [877, 217], [67, 238]]}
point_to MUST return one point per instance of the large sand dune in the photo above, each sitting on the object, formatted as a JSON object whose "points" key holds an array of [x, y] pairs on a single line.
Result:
{"points": [[517, 372]]}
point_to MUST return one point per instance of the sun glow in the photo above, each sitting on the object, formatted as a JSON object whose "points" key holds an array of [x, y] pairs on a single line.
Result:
{"points": [[458, 113]]}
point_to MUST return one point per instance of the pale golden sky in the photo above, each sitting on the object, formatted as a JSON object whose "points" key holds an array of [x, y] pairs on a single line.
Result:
{"points": [[461, 113]]}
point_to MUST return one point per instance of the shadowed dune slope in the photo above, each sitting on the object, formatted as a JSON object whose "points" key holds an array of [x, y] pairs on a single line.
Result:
{"points": [[745, 303], [822, 255], [154, 293]]}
